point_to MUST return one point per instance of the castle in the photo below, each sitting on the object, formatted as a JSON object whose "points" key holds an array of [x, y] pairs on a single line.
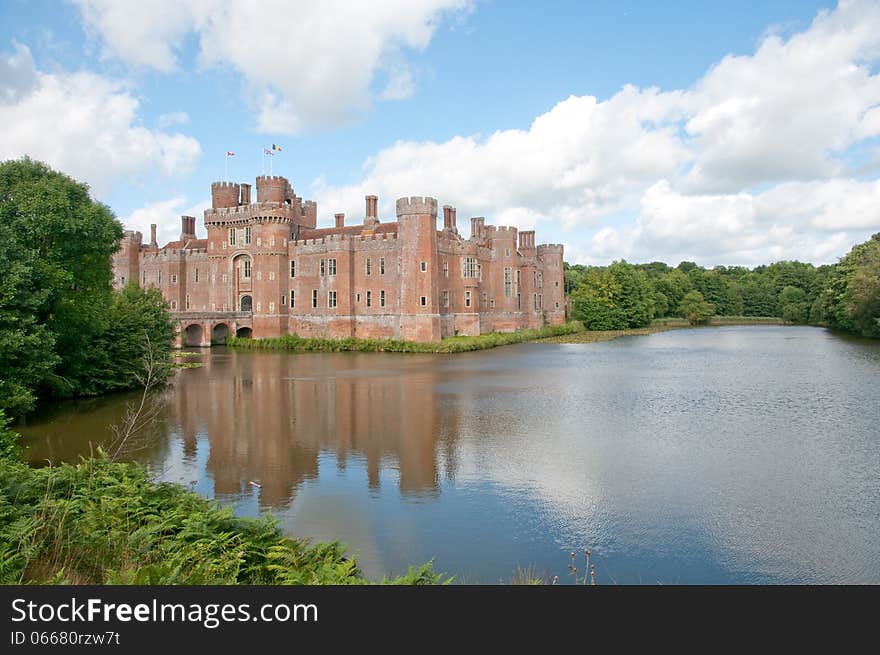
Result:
{"points": [[266, 269]]}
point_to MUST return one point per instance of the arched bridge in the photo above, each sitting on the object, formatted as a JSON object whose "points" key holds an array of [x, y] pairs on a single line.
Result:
{"points": [[196, 329]]}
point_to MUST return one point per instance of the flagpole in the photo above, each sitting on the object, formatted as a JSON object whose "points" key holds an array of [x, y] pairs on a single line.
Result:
{"points": [[226, 167], [271, 157], [262, 161]]}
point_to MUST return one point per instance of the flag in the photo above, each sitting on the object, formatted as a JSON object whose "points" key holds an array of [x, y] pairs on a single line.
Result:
{"points": [[274, 147], [229, 153], [266, 151]]}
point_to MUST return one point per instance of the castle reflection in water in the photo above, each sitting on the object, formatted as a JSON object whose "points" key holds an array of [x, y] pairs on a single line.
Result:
{"points": [[268, 417]]}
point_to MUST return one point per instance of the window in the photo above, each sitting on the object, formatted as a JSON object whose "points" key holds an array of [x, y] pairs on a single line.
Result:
{"points": [[369, 297], [446, 298], [382, 266], [508, 281], [357, 297], [247, 235], [122, 280], [382, 298], [467, 298], [424, 266], [292, 268], [331, 299], [144, 278], [331, 267], [173, 304], [259, 307], [272, 240], [314, 298], [423, 301], [484, 299], [271, 307], [469, 267], [369, 267], [187, 301], [322, 268], [507, 252], [271, 275], [492, 303], [232, 236], [283, 300], [557, 283], [173, 279], [259, 275], [445, 268], [518, 301], [292, 298], [159, 276], [534, 278], [247, 269], [197, 275], [517, 281], [259, 241], [225, 277], [536, 301]]}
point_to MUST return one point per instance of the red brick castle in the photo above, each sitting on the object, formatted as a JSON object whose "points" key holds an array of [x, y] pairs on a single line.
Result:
{"points": [[266, 269]]}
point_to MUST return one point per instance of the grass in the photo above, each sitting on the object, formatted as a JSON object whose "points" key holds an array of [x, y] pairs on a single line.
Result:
{"points": [[450, 345], [661, 325], [103, 522]]}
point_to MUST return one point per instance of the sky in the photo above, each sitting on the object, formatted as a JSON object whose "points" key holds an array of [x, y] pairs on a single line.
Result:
{"points": [[725, 133]]}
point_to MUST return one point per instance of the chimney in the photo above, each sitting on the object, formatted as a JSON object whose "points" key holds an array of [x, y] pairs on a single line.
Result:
{"points": [[477, 227], [245, 194], [187, 228], [153, 236], [372, 210], [340, 220]]}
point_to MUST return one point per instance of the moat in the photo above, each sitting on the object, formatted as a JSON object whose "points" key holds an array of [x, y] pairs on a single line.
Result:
{"points": [[716, 455]]}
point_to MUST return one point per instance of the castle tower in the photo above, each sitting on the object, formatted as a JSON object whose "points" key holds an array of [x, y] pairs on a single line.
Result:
{"points": [[417, 234], [225, 194], [273, 188], [126, 261], [552, 290]]}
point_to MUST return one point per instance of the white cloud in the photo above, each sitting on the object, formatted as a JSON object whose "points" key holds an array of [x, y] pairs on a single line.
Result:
{"points": [[173, 118], [83, 124], [306, 64], [795, 220], [752, 162], [166, 215]]}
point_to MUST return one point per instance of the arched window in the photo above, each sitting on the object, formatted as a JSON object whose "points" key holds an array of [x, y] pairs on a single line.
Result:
{"points": [[247, 304]]}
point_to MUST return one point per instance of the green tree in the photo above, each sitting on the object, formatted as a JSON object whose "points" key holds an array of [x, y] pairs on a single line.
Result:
{"points": [[793, 305], [695, 308]]}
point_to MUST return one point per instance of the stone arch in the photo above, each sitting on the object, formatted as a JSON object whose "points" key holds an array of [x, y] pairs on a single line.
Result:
{"points": [[244, 332], [246, 304], [192, 335], [219, 334]]}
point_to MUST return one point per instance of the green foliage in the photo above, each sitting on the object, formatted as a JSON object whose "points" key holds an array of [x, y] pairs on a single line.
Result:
{"points": [[851, 298], [451, 345], [8, 438], [614, 298], [100, 522], [793, 305], [695, 308], [63, 332]]}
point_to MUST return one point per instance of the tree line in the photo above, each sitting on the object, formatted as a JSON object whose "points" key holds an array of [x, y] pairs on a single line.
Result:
{"points": [[845, 295], [64, 331]]}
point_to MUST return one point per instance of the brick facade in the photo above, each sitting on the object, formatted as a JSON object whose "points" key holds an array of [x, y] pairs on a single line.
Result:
{"points": [[265, 269]]}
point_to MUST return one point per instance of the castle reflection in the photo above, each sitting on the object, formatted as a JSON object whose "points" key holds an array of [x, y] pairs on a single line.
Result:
{"points": [[268, 417]]}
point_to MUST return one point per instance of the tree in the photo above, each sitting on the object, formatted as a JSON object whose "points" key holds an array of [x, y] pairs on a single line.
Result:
{"points": [[793, 305], [851, 298], [695, 308]]}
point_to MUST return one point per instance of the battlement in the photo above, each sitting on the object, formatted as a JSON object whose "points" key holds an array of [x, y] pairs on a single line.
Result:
{"points": [[274, 188], [548, 248], [416, 205], [225, 194]]}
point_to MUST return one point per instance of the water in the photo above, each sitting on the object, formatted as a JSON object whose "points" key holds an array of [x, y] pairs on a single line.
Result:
{"points": [[718, 455]]}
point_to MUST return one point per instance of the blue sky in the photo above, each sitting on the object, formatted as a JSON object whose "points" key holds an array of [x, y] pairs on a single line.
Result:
{"points": [[725, 133]]}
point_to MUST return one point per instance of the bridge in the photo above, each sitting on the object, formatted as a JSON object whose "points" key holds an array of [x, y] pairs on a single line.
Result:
{"points": [[204, 329]]}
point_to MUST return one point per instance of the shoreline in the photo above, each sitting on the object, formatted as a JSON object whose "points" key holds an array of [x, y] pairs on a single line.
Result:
{"points": [[660, 325]]}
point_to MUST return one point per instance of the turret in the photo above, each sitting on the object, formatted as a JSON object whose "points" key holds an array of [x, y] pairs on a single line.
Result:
{"points": [[273, 188], [417, 235], [527, 243], [225, 194]]}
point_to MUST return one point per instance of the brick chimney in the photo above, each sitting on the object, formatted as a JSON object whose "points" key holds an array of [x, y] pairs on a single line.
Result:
{"points": [[372, 215], [187, 228], [153, 235], [340, 220]]}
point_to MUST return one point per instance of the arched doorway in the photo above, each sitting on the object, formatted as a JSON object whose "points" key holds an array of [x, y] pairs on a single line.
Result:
{"points": [[244, 332], [219, 334], [193, 335], [247, 304]]}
